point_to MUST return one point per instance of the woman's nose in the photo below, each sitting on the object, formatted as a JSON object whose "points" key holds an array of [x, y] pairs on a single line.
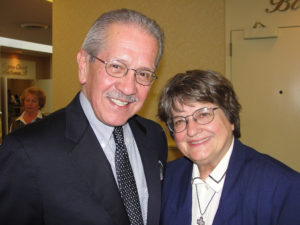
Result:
{"points": [[192, 127]]}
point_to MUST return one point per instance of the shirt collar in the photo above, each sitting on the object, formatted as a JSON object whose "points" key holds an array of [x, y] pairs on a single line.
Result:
{"points": [[216, 178], [39, 115], [102, 131], [21, 117]]}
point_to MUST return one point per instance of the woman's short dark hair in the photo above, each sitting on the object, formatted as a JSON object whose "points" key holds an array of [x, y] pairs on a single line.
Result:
{"points": [[200, 86], [36, 92]]}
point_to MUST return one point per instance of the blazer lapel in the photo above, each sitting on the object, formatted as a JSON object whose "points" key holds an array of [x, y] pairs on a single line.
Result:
{"points": [[229, 201], [152, 168], [92, 164], [181, 205]]}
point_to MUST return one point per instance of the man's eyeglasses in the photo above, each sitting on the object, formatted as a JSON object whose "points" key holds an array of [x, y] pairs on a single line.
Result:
{"points": [[201, 116], [118, 69]]}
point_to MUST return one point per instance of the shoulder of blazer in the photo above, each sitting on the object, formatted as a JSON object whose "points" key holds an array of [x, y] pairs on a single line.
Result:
{"points": [[44, 125], [76, 121], [144, 125], [179, 167], [248, 161], [150, 135], [67, 122]]}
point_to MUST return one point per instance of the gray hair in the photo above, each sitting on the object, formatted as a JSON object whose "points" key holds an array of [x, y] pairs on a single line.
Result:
{"points": [[95, 39], [200, 86]]}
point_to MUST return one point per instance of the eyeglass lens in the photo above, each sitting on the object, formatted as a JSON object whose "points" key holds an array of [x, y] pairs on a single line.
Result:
{"points": [[201, 116], [118, 69]]}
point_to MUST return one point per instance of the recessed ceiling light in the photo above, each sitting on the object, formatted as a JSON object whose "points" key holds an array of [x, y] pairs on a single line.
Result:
{"points": [[34, 26]]}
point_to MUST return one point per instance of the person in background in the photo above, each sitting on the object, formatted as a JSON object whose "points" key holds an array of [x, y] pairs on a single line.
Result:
{"points": [[219, 180], [95, 161], [33, 99], [13, 107]]}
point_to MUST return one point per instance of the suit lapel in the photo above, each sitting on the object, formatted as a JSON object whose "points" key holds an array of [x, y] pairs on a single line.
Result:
{"points": [[151, 169], [92, 164]]}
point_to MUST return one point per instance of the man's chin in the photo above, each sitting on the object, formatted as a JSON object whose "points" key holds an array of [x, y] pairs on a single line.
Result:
{"points": [[116, 121]]}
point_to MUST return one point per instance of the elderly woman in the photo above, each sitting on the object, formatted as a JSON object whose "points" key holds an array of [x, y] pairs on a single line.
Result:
{"points": [[220, 180], [33, 100]]}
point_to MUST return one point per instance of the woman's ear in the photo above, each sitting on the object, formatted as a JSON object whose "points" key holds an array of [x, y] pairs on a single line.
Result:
{"points": [[83, 62]]}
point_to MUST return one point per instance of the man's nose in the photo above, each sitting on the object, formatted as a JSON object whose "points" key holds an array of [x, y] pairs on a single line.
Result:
{"points": [[128, 83]]}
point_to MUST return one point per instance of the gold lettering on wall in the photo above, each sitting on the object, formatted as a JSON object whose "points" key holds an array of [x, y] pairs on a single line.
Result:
{"points": [[283, 5], [14, 69], [17, 68]]}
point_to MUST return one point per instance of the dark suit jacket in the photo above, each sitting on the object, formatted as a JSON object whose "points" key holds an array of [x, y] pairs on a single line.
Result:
{"points": [[54, 172], [258, 190]]}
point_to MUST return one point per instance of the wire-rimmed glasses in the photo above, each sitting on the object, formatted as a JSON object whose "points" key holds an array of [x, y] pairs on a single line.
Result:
{"points": [[118, 69], [201, 116]]}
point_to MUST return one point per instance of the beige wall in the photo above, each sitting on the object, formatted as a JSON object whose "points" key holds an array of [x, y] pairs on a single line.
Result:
{"points": [[194, 30]]}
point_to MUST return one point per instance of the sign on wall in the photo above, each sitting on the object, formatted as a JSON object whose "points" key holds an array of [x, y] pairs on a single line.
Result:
{"points": [[283, 5], [18, 69]]}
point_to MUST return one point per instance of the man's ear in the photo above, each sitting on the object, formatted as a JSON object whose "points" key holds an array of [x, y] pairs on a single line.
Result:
{"points": [[83, 63]]}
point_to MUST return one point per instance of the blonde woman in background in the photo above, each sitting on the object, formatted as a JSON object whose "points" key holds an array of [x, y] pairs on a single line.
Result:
{"points": [[33, 100]]}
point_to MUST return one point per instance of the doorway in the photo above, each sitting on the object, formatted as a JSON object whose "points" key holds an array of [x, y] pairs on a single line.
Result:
{"points": [[19, 69], [266, 75]]}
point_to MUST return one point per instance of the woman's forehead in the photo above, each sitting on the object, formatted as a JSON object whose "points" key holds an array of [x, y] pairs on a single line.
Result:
{"points": [[187, 105]]}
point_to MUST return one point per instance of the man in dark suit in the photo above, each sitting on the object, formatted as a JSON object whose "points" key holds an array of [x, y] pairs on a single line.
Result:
{"points": [[64, 170], [220, 181]]}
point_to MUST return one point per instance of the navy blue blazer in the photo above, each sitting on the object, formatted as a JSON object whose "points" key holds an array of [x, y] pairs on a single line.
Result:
{"points": [[258, 190], [54, 172]]}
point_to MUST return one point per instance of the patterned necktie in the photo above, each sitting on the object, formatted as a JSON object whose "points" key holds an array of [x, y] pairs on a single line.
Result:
{"points": [[125, 177]]}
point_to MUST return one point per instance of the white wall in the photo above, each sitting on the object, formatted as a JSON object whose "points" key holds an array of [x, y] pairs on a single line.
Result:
{"points": [[242, 14], [262, 72]]}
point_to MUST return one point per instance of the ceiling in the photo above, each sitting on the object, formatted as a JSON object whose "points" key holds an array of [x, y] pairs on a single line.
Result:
{"points": [[13, 13]]}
